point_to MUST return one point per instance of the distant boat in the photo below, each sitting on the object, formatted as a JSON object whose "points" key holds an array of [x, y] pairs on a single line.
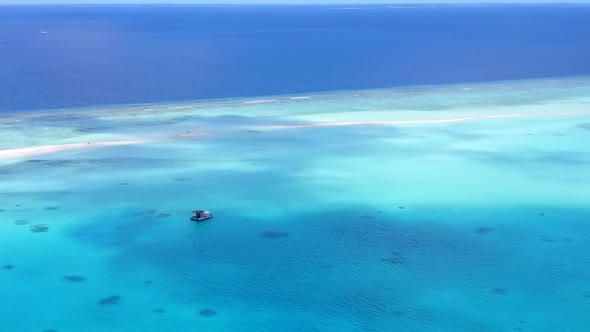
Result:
{"points": [[201, 215], [44, 32]]}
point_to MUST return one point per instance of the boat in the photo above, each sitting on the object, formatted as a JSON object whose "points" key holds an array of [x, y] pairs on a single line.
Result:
{"points": [[201, 215]]}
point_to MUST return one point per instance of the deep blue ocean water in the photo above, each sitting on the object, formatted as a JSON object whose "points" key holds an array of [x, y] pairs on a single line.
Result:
{"points": [[61, 57]]}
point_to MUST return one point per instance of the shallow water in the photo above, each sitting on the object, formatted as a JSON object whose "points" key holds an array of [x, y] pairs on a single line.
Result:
{"points": [[462, 226]]}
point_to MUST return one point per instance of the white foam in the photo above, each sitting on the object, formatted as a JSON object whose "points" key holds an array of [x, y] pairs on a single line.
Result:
{"points": [[260, 101]]}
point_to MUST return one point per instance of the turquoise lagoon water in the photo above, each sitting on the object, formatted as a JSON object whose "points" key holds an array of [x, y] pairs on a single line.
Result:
{"points": [[461, 226]]}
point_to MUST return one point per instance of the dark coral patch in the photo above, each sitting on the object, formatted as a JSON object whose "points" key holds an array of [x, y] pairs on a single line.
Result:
{"points": [[111, 300], [20, 222], [2, 210], [74, 278], [483, 230], [542, 214], [152, 212], [159, 310], [568, 239], [8, 267], [52, 208], [207, 312], [401, 207], [499, 291], [147, 282], [396, 258], [367, 217], [163, 215], [39, 228], [274, 234], [548, 238], [124, 183], [180, 179]]}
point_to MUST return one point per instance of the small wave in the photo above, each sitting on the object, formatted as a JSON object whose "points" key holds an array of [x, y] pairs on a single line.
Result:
{"points": [[298, 98], [261, 101]]}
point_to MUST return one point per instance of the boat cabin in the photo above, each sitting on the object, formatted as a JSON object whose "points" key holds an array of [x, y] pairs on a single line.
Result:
{"points": [[201, 215]]}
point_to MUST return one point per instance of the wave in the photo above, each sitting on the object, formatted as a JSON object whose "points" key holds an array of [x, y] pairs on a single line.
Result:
{"points": [[260, 101]]}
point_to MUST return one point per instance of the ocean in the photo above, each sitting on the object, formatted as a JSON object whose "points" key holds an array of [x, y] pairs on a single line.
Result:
{"points": [[377, 168], [79, 56]]}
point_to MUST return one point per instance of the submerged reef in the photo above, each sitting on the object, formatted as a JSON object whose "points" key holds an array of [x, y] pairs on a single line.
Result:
{"points": [[52, 208], [396, 258], [483, 230], [499, 291], [108, 301], [207, 312], [20, 222], [41, 228], [74, 278], [274, 234], [8, 267]]}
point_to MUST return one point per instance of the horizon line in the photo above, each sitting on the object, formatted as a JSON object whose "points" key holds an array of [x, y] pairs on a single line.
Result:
{"points": [[391, 3]]}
